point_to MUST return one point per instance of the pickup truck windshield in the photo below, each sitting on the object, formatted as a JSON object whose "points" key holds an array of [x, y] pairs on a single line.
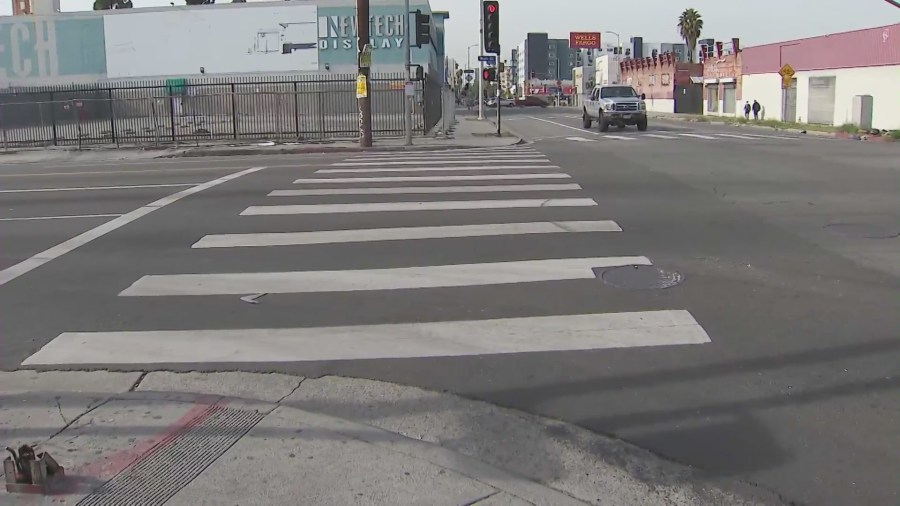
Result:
{"points": [[616, 92]]}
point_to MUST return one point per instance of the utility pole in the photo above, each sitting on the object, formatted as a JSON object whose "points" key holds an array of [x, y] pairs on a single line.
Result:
{"points": [[480, 63], [362, 80], [407, 100]]}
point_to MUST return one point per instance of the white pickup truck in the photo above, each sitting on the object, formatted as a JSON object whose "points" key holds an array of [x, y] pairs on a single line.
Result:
{"points": [[617, 104]]}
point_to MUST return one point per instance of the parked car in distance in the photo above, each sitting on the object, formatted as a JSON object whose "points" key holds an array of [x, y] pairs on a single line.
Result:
{"points": [[531, 101]]}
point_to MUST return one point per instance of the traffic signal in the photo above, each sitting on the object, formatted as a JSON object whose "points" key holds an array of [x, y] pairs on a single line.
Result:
{"points": [[423, 29], [489, 74], [491, 19]]}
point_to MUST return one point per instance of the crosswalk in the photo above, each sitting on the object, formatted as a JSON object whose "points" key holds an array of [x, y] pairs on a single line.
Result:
{"points": [[674, 136], [430, 186]]}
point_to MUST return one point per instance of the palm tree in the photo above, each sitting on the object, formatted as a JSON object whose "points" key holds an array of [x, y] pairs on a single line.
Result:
{"points": [[690, 24]]}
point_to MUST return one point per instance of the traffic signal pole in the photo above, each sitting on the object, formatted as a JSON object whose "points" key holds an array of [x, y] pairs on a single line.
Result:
{"points": [[480, 63], [407, 100]]}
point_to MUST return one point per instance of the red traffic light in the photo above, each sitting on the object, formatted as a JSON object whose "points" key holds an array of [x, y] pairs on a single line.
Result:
{"points": [[492, 8], [486, 75]]}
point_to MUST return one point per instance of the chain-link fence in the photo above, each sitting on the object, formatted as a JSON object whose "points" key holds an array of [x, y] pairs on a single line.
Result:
{"points": [[308, 108]]}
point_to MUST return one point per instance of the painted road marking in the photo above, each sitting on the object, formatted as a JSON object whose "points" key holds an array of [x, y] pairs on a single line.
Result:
{"points": [[412, 179], [62, 217], [31, 263], [441, 157], [405, 340], [733, 136], [401, 234], [406, 162], [618, 137], [698, 136], [438, 169], [446, 205], [583, 130], [88, 188], [659, 136], [429, 189], [403, 278], [579, 139], [772, 137]]}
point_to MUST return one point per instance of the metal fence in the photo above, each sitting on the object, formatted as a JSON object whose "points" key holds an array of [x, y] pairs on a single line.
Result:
{"points": [[162, 112]]}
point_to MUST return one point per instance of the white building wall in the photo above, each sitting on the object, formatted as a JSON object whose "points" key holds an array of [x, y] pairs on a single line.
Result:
{"points": [[720, 110], [883, 83], [606, 70], [661, 105]]}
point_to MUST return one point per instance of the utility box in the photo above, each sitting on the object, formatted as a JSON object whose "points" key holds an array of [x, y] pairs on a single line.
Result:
{"points": [[861, 114]]}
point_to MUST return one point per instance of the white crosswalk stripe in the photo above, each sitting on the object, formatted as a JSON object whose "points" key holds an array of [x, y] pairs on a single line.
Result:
{"points": [[346, 189], [680, 136]]}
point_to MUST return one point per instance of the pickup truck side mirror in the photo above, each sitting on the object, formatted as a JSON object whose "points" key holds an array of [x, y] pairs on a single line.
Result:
{"points": [[643, 96]]}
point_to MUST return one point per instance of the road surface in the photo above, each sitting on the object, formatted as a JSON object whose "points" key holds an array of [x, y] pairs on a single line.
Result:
{"points": [[725, 298]]}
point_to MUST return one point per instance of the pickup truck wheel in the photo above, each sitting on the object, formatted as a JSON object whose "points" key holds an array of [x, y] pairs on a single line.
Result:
{"points": [[642, 125], [604, 124], [585, 120]]}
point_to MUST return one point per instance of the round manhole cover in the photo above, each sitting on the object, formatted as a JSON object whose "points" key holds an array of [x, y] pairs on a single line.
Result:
{"points": [[641, 277], [865, 230]]}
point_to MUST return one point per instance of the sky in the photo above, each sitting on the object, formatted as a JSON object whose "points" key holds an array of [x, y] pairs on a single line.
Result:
{"points": [[759, 22]]}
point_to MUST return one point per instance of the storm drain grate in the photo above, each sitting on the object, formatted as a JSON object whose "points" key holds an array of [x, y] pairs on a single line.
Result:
{"points": [[176, 461]]}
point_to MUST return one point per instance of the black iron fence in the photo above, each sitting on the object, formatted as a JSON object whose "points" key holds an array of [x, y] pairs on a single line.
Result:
{"points": [[159, 112]]}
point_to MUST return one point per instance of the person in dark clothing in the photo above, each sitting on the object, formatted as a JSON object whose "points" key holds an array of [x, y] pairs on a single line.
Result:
{"points": [[747, 110], [756, 108]]}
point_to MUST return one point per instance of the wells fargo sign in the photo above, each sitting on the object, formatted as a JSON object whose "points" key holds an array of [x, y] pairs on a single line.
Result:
{"points": [[584, 40]]}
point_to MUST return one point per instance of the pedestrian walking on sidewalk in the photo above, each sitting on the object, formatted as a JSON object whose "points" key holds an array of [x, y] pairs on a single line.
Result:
{"points": [[756, 108]]}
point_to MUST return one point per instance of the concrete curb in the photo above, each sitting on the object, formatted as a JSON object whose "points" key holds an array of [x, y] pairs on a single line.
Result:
{"points": [[249, 151], [523, 457]]}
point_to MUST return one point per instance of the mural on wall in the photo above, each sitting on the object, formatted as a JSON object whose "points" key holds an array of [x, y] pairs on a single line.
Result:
{"points": [[40, 49], [337, 36], [220, 41]]}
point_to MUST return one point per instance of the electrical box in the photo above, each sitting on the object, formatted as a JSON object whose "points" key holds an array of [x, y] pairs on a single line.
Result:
{"points": [[861, 114]]}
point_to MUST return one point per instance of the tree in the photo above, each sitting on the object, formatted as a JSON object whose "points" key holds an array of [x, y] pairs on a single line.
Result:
{"points": [[690, 25]]}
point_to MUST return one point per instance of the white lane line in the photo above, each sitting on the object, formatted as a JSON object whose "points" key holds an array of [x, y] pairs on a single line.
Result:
{"points": [[582, 130], [401, 234], [438, 169], [579, 139], [431, 179], [659, 136], [733, 136], [698, 136], [618, 137], [404, 340], [509, 149], [522, 156], [783, 138], [407, 162], [403, 278], [87, 188], [61, 217], [448, 205], [428, 189], [33, 262]]}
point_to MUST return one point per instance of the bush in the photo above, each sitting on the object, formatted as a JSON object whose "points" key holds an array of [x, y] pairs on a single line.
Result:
{"points": [[894, 134], [848, 128]]}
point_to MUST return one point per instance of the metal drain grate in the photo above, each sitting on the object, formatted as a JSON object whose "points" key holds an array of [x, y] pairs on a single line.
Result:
{"points": [[176, 461]]}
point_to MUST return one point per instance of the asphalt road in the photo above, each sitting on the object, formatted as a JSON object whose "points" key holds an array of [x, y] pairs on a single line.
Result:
{"points": [[779, 369]]}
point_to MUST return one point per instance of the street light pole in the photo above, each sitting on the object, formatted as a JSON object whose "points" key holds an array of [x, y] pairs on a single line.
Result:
{"points": [[363, 99]]}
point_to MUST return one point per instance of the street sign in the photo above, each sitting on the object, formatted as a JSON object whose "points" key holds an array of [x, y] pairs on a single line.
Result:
{"points": [[489, 59], [365, 57], [362, 87], [469, 78], [787, 75]]}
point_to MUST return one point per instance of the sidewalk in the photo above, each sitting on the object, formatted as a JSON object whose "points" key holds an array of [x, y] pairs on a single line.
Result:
{"points": [[463, 134], [270, 439]]}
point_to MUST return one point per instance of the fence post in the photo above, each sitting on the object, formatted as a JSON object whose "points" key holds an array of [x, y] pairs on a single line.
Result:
{"points": [[279, 106], [321, 109], [296, 111], [171, 112], [112, 117], [234, 119], [53, 118], [3, 126], [77, 122]]}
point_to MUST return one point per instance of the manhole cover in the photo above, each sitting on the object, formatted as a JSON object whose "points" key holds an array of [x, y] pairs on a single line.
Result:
{"points": [[641, 277], [865, 230]]}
